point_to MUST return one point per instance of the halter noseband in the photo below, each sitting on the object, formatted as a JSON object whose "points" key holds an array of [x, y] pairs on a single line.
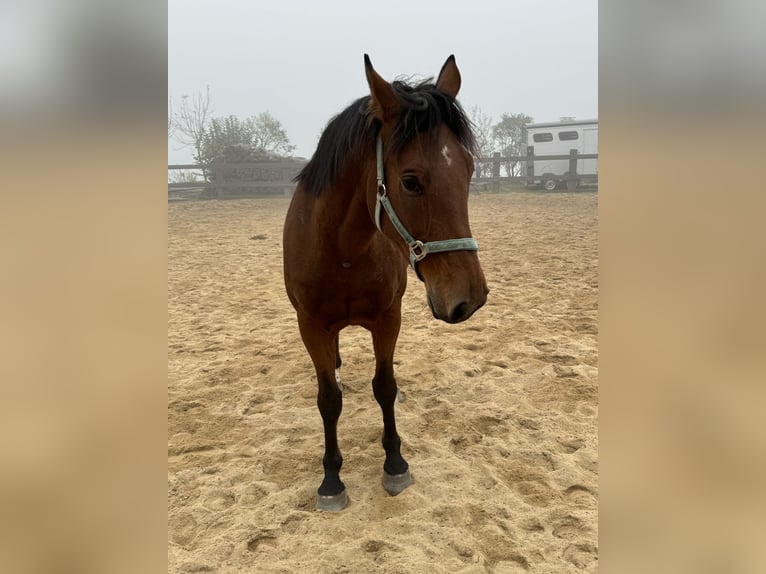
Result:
{"points": [[418, 249]]}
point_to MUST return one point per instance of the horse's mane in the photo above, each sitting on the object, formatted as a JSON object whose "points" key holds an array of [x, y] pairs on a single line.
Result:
{"points": [[423, 107]]}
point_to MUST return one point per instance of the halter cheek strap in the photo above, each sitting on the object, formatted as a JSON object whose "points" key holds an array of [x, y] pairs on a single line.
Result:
{"points": [[418, 249]]}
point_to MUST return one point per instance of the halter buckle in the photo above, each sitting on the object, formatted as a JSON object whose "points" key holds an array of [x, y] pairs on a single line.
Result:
{"points": [[418, 250]]}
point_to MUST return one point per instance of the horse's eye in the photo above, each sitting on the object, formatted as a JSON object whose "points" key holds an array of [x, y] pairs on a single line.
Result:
{"points": [[411, 184]]}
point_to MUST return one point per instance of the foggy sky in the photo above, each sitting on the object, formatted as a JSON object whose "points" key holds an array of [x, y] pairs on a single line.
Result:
{"points": [[303, 61]]}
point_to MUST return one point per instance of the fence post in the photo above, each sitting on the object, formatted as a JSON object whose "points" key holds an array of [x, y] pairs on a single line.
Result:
{"points": [[530, 165], [496, 170], [572, 175]]}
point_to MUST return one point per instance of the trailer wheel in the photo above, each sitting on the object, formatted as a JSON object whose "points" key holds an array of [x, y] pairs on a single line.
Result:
{"points": [[549, 184]]}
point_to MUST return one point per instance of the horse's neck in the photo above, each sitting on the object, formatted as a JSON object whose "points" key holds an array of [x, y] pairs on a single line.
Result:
{"points": [[345, 215]]}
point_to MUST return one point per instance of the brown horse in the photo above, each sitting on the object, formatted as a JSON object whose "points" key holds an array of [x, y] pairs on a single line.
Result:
{"points": [[405, 150]]}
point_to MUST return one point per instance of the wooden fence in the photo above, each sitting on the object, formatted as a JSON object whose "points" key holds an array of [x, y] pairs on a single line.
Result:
{"points": [[274, 177], [571, 178], [221, 180]]}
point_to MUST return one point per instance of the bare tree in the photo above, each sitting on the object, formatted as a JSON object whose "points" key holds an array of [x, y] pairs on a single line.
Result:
{"points": [[192, 118], [171, 120], [482, 131]]}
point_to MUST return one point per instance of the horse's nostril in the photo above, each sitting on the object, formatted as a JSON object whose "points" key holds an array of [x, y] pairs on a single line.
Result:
{"points": [[459, 313]]}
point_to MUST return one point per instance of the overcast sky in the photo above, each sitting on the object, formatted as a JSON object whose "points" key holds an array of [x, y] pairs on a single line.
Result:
{"points": [[303, 61]]}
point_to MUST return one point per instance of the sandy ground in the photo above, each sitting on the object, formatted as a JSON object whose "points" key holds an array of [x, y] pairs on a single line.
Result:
{"points": [[499, 424]]}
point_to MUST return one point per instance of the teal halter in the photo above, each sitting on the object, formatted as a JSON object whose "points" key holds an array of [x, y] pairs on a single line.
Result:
{"points": [[418, 249]]}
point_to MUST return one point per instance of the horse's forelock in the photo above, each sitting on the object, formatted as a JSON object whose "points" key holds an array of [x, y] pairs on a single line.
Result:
{"points": [[424, 108]]}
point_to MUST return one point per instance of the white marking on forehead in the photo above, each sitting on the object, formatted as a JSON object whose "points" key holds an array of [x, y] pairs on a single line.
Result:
{"points": [[447, 157]]}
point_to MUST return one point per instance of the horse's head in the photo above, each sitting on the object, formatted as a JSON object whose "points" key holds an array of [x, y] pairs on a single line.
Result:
{"points": [[426, 152]]}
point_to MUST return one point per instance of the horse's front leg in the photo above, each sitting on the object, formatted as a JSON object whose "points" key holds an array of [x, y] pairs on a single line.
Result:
{"points": [[322, 346], [396, 474]]}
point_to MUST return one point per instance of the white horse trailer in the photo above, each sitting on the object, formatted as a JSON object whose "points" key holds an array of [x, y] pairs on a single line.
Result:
{"points": [[559, 138]]}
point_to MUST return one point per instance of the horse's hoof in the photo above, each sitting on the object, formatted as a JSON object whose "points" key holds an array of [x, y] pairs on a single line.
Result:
{"points": [[334, 503], [395, 483]]}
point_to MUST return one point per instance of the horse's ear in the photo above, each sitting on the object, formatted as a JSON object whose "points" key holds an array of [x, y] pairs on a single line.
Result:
{"points": [[383, 103], [449, 78]]}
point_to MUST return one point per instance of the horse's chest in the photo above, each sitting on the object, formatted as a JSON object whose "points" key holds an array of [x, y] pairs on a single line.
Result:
{"points": [[355, 294], [359, 283]]}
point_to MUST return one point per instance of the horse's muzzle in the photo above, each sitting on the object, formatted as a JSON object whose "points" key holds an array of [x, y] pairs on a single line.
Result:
{"points": [[459, 310]]}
